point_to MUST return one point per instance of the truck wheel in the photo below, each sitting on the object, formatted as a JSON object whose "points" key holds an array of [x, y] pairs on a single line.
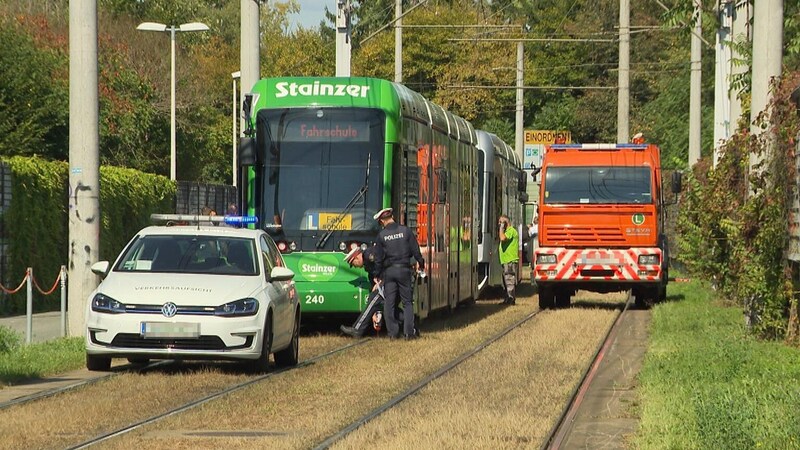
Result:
{"points": [[546, 297], [563, 299], [662, 288]]}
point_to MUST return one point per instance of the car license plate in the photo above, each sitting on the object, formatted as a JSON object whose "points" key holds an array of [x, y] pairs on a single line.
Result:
{"points": [[156, 330]]}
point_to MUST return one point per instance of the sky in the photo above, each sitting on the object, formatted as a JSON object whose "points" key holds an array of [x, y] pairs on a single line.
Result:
{"points": [[312, 12]]}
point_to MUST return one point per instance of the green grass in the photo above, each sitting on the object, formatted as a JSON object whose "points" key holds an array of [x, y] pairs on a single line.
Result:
{"points": [[20, 362], [706, 383]]}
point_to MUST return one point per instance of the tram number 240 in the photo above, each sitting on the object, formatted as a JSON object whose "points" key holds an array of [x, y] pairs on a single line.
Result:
{"points": [[315, 299]]}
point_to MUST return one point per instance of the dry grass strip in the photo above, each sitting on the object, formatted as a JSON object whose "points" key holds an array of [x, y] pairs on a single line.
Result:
{"points": [[507, 396], [77, 416], [298, 410]]}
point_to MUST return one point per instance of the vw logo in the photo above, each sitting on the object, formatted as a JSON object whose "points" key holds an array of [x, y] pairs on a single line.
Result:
{"points": [[169, 309]]}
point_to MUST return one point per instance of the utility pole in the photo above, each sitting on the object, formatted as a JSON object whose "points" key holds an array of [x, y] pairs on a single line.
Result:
{"points": [[742, 13], [623, 88], [695, 118], [519, 143], [343, 10], [722, 78], [84, 160], [249, 53], [398, 41], [767, 62]]}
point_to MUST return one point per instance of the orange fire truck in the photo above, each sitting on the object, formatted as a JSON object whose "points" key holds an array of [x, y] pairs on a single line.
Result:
{"points": [[601, 223]]}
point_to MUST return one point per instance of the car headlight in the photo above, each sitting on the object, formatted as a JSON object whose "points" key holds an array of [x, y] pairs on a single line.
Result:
{"points": [[545, 259], [105, 304], [648, 260], [243, 307]]}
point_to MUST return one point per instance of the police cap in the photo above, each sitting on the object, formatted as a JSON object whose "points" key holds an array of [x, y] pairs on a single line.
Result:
{"points": [[352, 255], [385, 213]]}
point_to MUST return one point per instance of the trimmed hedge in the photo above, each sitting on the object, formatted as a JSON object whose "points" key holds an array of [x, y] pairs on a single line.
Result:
{"points": [[37, 228]]}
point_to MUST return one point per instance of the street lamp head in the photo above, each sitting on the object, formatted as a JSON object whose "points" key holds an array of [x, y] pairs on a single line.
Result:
{"points": [[193, 26], [151, 26]]}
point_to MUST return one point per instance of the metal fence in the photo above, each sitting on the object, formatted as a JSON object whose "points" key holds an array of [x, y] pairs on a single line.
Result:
{"points": [[192, 197], [5, 203]]}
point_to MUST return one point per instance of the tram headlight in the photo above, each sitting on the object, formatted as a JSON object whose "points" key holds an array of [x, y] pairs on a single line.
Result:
{"points": [[545, 259], [648, 260], [342, 246], [292, 246]]}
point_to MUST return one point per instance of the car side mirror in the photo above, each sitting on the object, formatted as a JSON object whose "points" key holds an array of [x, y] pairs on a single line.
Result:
{"points": [[281, 274], [100, 268]]}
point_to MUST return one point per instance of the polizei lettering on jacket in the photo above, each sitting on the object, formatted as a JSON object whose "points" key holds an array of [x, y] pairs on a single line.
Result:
{"points": [[286, 88], [391, 237], [318, 268]]}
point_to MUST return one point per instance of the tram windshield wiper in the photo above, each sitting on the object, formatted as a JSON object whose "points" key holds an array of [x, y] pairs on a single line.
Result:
{"points": [[362, 192]]}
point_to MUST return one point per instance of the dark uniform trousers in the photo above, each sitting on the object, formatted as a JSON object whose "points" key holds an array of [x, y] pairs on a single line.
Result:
{"points": [[397, 280], [374, 304]]}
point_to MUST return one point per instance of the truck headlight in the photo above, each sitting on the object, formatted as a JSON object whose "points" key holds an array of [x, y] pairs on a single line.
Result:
{"points": [[243, 307], [105, 304], [545, 259], [649, 260]]}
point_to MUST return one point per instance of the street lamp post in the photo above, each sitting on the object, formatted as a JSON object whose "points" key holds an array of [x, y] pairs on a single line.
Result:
{"points": [[235, 75], [153, 26]]}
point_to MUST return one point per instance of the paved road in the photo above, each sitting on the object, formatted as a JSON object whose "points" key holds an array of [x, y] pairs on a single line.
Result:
{"points": [[45, 326]]}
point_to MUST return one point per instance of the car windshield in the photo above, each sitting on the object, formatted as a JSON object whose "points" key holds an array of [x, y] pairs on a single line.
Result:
{"points": [[190, 254]]}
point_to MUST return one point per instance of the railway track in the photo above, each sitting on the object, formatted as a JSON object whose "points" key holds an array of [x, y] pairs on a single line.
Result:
{"points": [[299, 415], [329, 441], [227, 391], [47, 393], [563, 426]]}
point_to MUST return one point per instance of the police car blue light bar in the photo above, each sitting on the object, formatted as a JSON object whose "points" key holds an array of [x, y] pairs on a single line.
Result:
{"points": [[191, 219], [240, 220]]}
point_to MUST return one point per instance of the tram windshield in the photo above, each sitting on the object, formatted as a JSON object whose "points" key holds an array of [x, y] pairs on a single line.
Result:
{"points": [[598, 185], [322, 167]]}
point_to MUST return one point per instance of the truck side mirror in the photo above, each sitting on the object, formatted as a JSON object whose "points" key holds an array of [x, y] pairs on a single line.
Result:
{"points": [[676, 182], [247, 152], [535, 172]]}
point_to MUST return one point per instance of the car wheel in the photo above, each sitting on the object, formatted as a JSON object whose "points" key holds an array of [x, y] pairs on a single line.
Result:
{"points": [[290, 355], [262, 363], [98, 363]]}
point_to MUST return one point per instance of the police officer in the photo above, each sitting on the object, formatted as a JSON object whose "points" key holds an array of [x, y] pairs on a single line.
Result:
{"points": [[398, 245], [370, 259]]}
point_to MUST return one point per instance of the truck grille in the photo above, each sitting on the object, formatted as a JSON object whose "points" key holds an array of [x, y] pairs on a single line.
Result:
{"points": [[568, 236]]}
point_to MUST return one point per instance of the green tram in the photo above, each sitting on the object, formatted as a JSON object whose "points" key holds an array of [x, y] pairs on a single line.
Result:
{"points": [[322, 155]]}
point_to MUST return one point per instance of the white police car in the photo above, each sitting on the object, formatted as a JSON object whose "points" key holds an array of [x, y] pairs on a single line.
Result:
{"points": [[194, 292]]}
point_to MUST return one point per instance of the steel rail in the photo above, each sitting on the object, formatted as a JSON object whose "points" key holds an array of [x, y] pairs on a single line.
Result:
{"points": [[210, 397], [332, 439], [563, 425], [128, 368]]}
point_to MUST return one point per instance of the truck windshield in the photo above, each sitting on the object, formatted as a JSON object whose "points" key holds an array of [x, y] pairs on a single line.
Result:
{"points": [[597, 185], [322, 167]]}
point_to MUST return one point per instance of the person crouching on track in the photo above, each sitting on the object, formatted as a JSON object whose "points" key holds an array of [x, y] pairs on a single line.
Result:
{"points": [[509, 244], [370, 260], [398, 245]]}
